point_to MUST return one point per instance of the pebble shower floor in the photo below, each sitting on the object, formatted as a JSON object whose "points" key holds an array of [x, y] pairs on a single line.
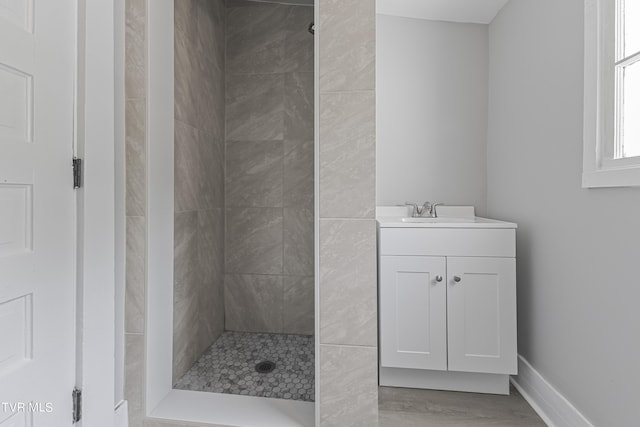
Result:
{"points": [[229, 366]]}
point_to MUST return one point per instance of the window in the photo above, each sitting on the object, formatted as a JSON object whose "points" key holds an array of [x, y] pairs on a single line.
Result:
{"points": [[612, 93]]}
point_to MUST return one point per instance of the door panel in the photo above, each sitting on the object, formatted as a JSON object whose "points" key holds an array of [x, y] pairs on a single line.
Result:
{"points": [[413, 313], [37, 216], [481, 311]]}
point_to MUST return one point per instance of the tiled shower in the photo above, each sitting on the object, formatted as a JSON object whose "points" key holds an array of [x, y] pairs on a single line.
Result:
{"points": [[244, 198]]}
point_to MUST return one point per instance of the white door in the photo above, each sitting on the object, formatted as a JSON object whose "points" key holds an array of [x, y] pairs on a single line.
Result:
{"points": [[481, 310], [37, 224], [413, 316]]}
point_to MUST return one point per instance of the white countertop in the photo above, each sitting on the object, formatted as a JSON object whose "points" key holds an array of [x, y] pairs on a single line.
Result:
{"points": [[400, 217]]}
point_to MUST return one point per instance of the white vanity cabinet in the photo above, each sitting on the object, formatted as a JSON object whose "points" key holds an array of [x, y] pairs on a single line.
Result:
{"points": [[447, 296]]}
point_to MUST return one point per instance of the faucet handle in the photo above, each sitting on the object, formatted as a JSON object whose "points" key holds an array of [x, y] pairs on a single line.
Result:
{"points": [[414, 205], [432, 210]]}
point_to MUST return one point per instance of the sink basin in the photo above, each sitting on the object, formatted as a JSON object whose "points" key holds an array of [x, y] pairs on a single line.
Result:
{"points": [[439, 220]]}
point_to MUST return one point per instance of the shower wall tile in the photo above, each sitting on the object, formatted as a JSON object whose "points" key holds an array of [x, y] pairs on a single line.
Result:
{"points": [[186, 274], [210, 171], [299, 117], [298, 42], [254, 175], [135, 49], [254, 303], [253, 240], [135, 275], [135, 151], [185, 75], [299, 305], [211, 291], [185, 333], [298, 241], [347, 155], [210, 245], [299, 174], [347, 45], [348, 296], [269, 172], [134, 357], [187, 169], [348, 386], [255, 107], [255, 39]]}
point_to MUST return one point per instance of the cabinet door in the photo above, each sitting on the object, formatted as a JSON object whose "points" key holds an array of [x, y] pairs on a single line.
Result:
{"points": [[481, 312], [413, 329]]}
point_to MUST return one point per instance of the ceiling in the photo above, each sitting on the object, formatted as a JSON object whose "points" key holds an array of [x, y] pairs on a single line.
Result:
{"points": [[471, 11]]}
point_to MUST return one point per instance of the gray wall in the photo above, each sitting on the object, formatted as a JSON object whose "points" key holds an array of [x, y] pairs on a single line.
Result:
{"points": [[348, 374], [431, 83], [269, 268], [578, 249], [198, 315]]}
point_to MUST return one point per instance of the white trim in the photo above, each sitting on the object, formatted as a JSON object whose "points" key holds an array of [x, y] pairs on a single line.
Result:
{"points": [[120, 204], [598, 107], [550, 405], [96, 219], [122, 415], [234, 410], [160, 203]]}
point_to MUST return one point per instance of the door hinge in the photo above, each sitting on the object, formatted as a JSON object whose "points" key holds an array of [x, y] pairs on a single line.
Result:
{"points": [[77, 173], [76, 395]]}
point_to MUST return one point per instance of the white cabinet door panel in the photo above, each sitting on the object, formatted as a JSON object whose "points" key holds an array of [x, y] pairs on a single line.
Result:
{"points": [[481, 311], [413, 314]]}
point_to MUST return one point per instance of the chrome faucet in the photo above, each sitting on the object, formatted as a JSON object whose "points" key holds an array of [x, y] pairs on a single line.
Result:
{"points": [[427, 209]]}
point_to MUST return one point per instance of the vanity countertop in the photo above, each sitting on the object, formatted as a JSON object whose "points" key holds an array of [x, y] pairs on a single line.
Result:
{"points": [[400, 217]]}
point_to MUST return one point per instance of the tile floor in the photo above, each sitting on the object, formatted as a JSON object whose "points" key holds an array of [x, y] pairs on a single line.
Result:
{"points": [[416, 408], [228, 366]]}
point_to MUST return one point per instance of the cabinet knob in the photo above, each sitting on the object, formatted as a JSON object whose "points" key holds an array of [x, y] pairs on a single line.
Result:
{"points": [[457, 279], [438, 278]]}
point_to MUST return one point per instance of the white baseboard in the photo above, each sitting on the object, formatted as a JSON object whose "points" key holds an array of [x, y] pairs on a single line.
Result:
{"points": [[122, 415], [554, 409]]}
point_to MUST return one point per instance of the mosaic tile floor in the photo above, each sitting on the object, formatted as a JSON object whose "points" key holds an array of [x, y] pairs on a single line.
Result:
{"points": [[229, 366]]}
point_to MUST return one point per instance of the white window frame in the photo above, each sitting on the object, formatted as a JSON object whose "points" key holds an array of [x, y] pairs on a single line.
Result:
{"points": [[599, 169]]}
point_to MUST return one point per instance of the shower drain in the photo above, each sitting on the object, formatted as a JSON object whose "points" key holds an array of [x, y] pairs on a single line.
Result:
{"points": [[265, 367]]}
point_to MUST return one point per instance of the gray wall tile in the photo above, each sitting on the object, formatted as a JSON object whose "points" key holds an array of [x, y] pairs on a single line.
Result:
{"points": [[347, 45], [255, 107], [348, 293], [299, 305], [135, 49], [134, 377], [298, 241], [255, 39], [254, 240], [299, 174], [185, 76], [347, 155], [199, 179], [211, 158], [348, 386], [298, 42], [187, 170], [135, 292], [254, 303], [136, 161], [269, 97], [254, 176], [298, 118]]}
